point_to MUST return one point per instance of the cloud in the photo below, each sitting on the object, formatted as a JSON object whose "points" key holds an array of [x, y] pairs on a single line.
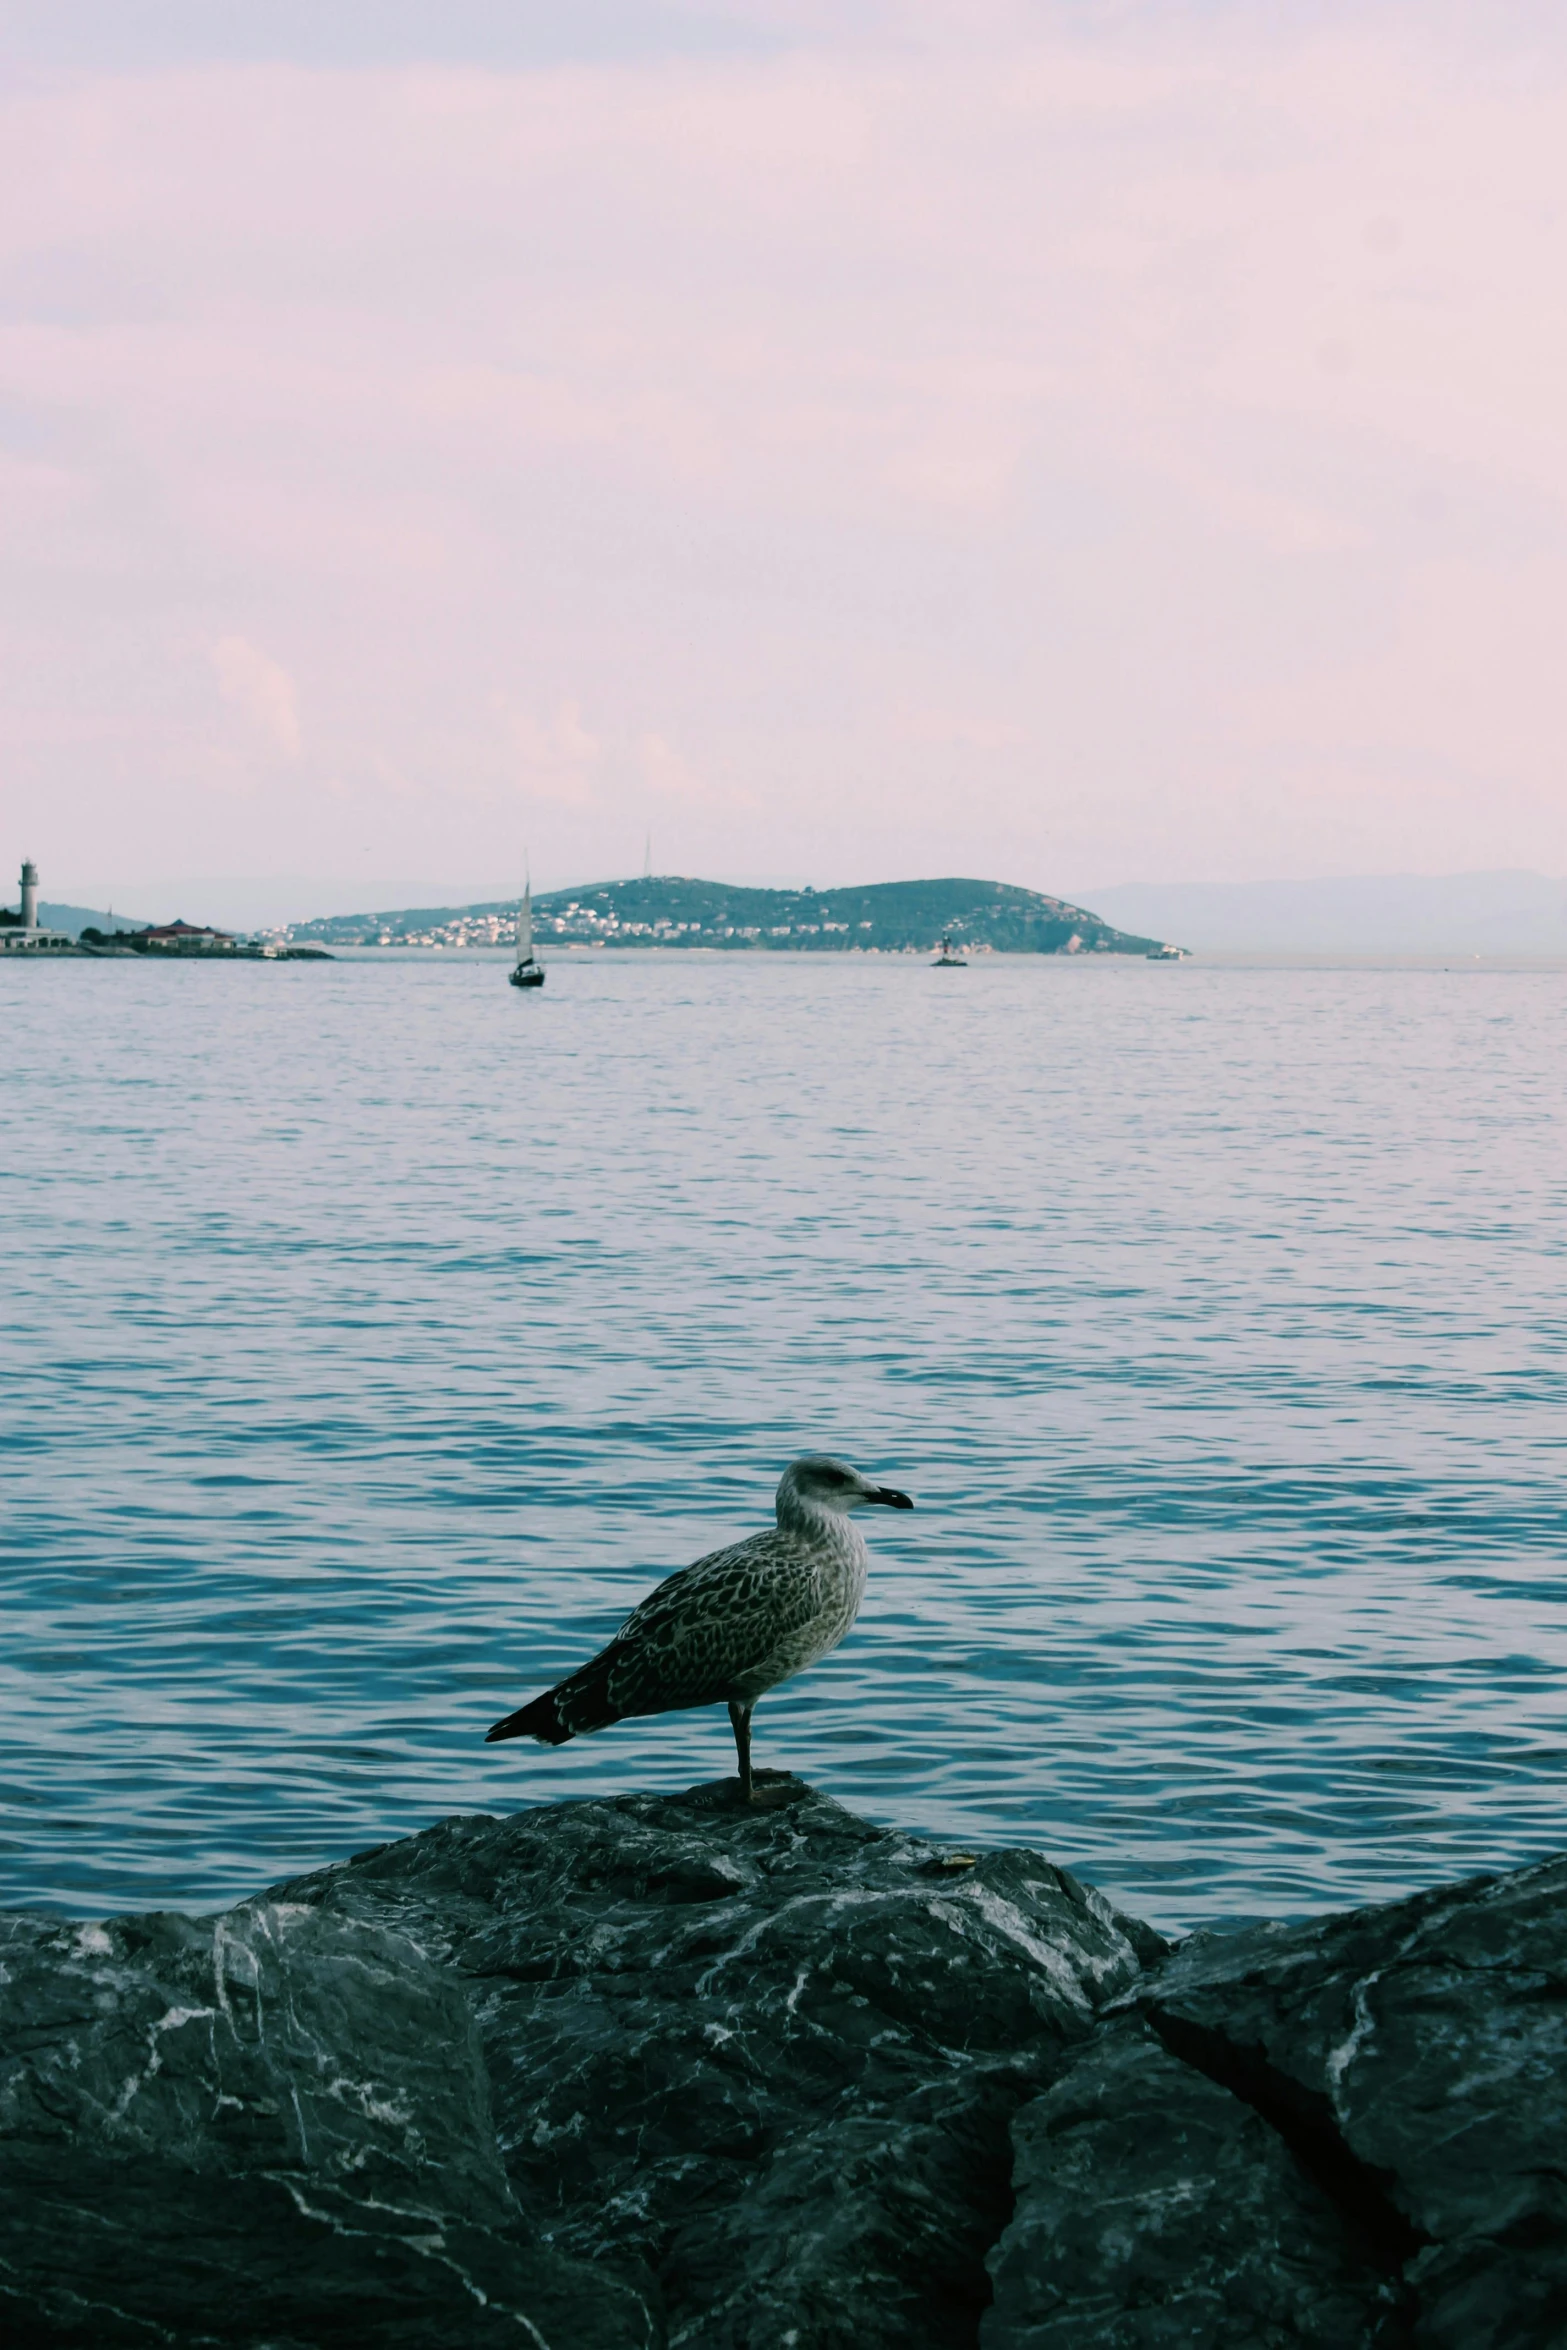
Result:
{"points": [[664, 771], [261, 688], [952, 727], [558, 760]]}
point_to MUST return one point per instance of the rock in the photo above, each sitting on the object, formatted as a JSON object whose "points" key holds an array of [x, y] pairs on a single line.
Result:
{"points": [[1403, 2066], [1155, 2208], [666, 2070], [751, 2074], [272, 2128], [764, 2062]]}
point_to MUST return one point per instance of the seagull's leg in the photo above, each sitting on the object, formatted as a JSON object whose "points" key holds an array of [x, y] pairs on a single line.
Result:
{"points": [[740, 1723]]}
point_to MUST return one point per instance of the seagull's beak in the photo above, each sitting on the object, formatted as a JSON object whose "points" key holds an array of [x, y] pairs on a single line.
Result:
{"points": [[889, 1497]]}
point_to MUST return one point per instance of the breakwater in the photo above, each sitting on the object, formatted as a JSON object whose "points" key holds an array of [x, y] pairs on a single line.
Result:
{"points": [[669, 2070]]}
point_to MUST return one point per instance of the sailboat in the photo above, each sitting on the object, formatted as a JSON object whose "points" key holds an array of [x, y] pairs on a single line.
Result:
{"points": [[526, 972]]}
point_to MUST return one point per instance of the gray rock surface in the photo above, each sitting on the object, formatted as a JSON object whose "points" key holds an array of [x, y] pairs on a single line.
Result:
{"points": [[655, 2069], [1398, 2075], [664, 2070], [1155, 2208], [763, 2064], [266, 2128]]}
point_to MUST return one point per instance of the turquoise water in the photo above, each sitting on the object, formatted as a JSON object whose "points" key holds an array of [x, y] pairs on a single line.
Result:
{"points": [[375, 1335]]}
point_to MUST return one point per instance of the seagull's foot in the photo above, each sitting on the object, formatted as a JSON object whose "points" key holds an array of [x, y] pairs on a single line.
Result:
{"points": [[768, 1789]]}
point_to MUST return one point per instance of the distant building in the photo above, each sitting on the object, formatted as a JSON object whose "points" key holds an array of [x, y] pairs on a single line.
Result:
{"points": [[181, 938], [23, 934]]}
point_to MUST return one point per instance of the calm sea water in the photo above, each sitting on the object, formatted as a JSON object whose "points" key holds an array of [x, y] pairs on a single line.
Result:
{"points": [[374, 1336]]}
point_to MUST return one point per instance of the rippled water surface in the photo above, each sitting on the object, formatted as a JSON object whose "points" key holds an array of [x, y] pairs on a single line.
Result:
{"points": [[374, 1336]]}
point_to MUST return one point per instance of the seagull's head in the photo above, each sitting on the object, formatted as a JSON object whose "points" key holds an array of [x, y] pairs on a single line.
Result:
{"points": [[817, 1481]]}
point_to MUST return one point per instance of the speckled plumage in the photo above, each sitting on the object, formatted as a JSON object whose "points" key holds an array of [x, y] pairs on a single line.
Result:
{"points": [[732, 1625]]}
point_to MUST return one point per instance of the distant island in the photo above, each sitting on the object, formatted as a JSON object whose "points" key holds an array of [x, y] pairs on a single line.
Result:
{"points": [[668, 910]]}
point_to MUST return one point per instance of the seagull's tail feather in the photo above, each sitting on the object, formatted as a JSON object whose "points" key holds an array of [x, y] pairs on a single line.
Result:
{"points": [[538, 1720], [581, 1702]]}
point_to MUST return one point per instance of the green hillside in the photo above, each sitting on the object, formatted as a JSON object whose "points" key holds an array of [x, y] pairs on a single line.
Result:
{"points": [[886, 917]]}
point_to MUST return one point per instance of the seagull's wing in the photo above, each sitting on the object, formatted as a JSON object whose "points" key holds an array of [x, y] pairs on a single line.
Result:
{"points": [[708, 1625], [688, 1643]]}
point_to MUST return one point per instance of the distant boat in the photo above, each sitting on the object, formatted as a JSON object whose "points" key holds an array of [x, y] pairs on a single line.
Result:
{"points": [[526, 971], [1165, 954], [945, 960]]}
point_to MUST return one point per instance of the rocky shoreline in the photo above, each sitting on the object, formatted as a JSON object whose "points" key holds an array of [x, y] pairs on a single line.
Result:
{"points": [[662, 2071]]}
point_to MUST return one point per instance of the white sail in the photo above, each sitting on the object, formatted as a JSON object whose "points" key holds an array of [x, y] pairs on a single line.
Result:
{"points": [[525, 925]]}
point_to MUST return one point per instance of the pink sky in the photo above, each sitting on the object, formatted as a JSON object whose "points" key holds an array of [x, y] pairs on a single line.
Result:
{"points": [[1073, 444]]}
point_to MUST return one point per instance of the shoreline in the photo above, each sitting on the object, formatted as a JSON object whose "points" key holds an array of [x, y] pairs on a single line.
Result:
{"points": [[564, 953]]}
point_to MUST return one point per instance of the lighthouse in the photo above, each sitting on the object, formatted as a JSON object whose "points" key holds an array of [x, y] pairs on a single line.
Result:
{"points": [[23, 933]]}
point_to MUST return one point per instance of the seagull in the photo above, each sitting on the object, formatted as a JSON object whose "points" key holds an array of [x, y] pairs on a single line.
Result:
{"points": [[731, 1626]]}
